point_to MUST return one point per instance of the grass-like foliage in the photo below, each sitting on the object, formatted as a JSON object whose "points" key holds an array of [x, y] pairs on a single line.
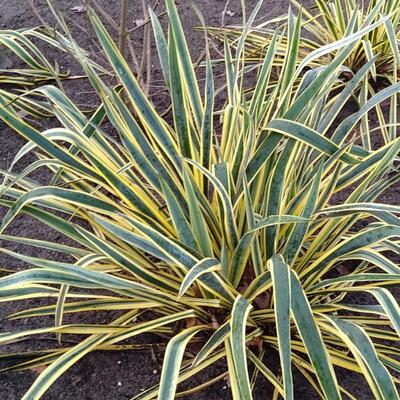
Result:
{"points": [[326, 23], [19, 83], [37, 69], [247, 228], [329, 21], [337, 22]]}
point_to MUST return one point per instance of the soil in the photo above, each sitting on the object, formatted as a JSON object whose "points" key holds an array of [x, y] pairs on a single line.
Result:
{"points": [[117, 375]]}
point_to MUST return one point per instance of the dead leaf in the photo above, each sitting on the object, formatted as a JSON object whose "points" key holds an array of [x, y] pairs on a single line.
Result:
{"points": [[229, 13], [191, 322], [214, 322], [78, 9], [197, 291], [38, 369]]}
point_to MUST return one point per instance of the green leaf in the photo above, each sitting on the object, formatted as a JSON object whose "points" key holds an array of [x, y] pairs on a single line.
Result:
{"points": [[310, 137], [243, 249], [280, 274], [178, 216], [29, 133], [78, 198], [202, 267], [312, 340], [389, 305], [357, 278], [162, 46], [346, 125], [185, 62], [215, 340], [230, 222], [240, 312], [363, 350], [145, 111], [172, 361], [197, 221], [297, 236], [356, 242], [276, 192]]}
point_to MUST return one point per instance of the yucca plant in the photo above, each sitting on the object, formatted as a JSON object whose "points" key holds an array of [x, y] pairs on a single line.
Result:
{"points": [[333, 21], [222, 226]]}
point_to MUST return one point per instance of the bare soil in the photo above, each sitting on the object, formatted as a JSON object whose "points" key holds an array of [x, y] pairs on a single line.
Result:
{"points": [[117, 375]]}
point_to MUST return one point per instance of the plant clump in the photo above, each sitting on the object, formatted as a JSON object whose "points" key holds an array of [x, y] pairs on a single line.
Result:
{"points": [[239, 224]]}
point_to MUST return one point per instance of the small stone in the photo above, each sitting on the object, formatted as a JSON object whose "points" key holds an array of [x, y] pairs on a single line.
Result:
{"points": [[229, 13], [155, 372], [119, 362], [119, 383], [78, 9]]}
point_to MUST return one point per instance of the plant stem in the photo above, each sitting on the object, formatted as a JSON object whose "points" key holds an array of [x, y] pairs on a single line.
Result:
{"points": [[122, 28]]}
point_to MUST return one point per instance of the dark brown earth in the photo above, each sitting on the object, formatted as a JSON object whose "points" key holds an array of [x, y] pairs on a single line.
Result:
{"points": [[117, 375]]}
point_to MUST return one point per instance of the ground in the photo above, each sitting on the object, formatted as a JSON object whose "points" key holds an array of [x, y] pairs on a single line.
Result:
{"points": [[119, 375]]}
